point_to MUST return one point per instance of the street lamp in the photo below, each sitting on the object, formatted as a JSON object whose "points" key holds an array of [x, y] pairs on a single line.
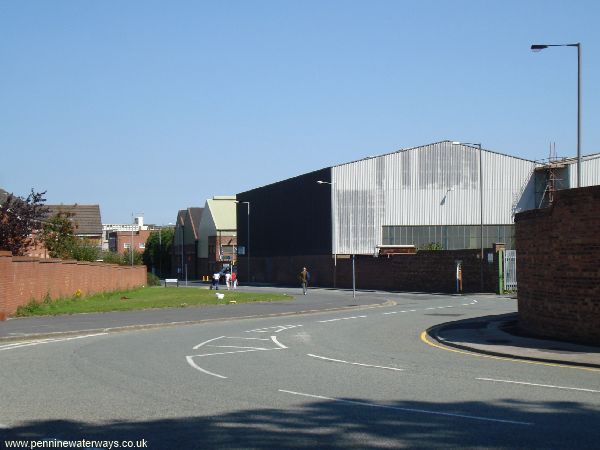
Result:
{"points": [[248, 238], [480, 205], [540, 47], [333, 236]]}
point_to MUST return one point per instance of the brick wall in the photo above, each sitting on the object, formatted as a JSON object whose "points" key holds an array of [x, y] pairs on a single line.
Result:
{"points": [[558, 251], [427, 271], [23, 279]]}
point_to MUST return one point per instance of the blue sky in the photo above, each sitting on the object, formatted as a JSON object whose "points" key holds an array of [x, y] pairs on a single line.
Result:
{"points": [[154, 106]]}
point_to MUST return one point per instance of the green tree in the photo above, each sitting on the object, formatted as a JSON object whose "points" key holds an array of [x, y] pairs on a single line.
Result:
{"points": [[157, 253], [19, 219], [58, 235]]}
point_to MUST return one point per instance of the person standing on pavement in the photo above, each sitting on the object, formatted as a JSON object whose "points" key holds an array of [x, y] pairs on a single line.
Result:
{"points": [[234, 280], [216, 277], [304, 279]]}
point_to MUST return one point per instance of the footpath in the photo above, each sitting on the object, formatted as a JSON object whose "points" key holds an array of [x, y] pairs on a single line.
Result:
{"points": [[499, 336]]}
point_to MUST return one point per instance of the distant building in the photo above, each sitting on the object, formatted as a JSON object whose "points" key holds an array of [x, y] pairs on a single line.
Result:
{"points": [[440, 195], [218, 235], [184, 251]]}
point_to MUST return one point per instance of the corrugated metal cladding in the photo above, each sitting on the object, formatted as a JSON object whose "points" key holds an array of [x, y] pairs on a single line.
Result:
{"points": [[590, 171], [291, 217], [436, 184]]}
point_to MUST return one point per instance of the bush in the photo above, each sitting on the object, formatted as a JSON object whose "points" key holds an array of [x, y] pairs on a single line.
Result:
{"points": [[152, 280]]}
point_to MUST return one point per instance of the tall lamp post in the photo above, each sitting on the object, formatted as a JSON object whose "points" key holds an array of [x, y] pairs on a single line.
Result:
{"points": [[480, 207], [353, 265], [540, 47], [248, 239]]}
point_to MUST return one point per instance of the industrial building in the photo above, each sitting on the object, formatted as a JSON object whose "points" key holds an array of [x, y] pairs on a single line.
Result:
{"points": [[443, 195]]}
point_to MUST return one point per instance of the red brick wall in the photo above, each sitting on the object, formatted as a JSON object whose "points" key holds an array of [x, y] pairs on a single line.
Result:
{"points": [[558, 258], [23, 279], [427, 271]]}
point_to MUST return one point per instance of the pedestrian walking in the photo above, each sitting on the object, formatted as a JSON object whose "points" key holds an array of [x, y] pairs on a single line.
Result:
{"points": [[304, 278], [228, 279], [234, 280]]}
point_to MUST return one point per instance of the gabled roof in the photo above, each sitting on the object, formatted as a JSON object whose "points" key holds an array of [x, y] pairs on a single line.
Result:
{"points": [[195, 215], [223, 211], [86, 218]]}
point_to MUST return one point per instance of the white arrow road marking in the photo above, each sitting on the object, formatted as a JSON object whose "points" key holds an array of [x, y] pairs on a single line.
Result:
{"points": [[412, 410], [244, 349], [539, 385], [354, 363]]}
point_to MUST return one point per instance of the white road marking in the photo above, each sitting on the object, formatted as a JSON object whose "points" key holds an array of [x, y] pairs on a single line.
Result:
{"points": [[274, 339], [247, 338], [412, 410], [238, 351], [206, 342], [237, 346], [388, 313], [354, 363], [190, 360], [276, 329], [540, 385], [46, 341], [342, 318]]}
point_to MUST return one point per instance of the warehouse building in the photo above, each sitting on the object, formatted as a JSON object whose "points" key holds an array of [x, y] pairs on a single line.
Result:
{"points": [[443, 195]]}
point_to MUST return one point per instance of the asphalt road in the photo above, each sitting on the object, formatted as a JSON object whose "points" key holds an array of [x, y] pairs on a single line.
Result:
{"points": [[362, 378]]}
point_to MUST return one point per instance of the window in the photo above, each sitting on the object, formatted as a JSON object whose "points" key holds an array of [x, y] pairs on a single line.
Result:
{"points": [[142, 245], [450, 237], [127, 245]]}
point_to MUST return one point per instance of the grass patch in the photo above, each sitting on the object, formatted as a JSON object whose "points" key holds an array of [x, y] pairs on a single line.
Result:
{"points": [[142, 298]]}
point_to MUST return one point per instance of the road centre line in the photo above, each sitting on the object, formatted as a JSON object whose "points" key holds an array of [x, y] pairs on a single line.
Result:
{"points": [[353, 363], [342, 318], [411, 410], [16, 345], [539, 385]]}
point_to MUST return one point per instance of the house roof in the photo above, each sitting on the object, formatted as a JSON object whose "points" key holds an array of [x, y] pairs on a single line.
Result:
{"points": [[86, 218], [195, 215], [223, 211]]}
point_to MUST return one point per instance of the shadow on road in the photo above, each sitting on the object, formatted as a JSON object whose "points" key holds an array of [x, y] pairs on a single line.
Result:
{"points": [[335, 424]]}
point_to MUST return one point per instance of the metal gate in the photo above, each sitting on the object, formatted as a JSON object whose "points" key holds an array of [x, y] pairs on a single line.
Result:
{"points": [[510, 270]]}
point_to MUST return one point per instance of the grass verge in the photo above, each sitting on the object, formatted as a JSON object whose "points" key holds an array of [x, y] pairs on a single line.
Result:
{"points": [[142, 298]]}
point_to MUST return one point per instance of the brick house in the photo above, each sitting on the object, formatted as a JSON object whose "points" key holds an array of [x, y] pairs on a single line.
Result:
{"points": [[86, 220]]}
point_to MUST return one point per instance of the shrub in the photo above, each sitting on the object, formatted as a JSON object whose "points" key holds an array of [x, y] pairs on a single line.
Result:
{"points": [[152, 280]]}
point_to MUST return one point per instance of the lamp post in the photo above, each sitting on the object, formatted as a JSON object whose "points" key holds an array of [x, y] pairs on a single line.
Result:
{"points": [[333, 235], [480, 207], [540, 47], [248, 236]]}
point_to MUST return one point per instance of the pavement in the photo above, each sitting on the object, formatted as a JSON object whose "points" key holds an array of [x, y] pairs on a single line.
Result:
{"points": [[496, 335]]}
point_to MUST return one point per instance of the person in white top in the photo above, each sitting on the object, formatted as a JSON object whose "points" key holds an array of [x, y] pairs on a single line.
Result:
{"points": [[228, 279]]}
